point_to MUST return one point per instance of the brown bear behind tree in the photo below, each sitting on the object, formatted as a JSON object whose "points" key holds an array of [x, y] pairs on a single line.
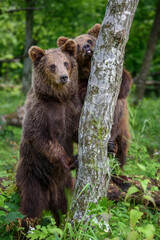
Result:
{"points": [[49, 129], [120, 134]]}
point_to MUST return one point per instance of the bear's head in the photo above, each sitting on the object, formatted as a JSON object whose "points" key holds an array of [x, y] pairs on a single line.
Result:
{"points": [[85, 44], [55, 70]]}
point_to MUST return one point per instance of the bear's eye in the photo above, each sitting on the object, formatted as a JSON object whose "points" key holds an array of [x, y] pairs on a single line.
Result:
{"points": [[52, 66], [78, 47], [66, 64], [89, 41]]}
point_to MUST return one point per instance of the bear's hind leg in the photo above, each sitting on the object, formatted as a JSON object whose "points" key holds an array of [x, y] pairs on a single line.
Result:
{"points": [[33, 199], [58, 204], [121, 154]]}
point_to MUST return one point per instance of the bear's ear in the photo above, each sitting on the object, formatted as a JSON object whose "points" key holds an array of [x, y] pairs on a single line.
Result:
{"points": [[36, 53], [61, 41], [94, 31], [70, 47]]}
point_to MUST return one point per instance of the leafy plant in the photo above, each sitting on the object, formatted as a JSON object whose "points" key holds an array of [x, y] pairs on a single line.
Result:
{"points": [[49, 232]]}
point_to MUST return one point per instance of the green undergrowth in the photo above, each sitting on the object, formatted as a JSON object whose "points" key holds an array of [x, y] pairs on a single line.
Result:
{"points": [[145, 124], [125, 220], [11, 98], [144, 152]]}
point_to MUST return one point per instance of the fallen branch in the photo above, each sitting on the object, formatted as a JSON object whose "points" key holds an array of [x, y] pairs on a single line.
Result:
{"points": [[117, 193], [14, 118]]}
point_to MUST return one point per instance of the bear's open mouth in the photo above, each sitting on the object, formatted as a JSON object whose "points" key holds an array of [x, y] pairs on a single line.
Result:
{"points": [[88, 53]]}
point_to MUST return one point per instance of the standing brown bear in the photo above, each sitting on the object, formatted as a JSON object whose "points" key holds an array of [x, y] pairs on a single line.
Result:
{"points": [[120, 134], [49, 129]]}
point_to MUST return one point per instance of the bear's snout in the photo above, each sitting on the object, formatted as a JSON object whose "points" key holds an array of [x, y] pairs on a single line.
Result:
{"points": [[64, 78], [87, 49]]}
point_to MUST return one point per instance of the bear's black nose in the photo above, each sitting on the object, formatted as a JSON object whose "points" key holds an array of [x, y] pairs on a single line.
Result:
{"points": [[86, 47], [63, 78]]}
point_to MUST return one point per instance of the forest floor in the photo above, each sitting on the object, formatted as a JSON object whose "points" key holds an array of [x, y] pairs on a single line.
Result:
{"points": [[134, 216]]}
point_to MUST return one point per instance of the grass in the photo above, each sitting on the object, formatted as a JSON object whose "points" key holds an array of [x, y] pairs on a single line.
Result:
{"points": [[9, 136], [143, 162], [11, 98], [145, 124]]}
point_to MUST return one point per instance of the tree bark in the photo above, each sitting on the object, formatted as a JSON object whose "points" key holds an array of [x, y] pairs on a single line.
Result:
{"points": [[27, 69], [98, 111], [144, 71]]}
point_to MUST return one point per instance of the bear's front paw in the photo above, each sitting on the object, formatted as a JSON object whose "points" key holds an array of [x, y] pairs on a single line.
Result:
{"points": [[64, 164], [112, 146], [73, 163]]}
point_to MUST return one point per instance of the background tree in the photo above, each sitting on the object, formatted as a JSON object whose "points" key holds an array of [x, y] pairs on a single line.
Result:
{"points": [[98, 110], [27, 66], [146, 64]]}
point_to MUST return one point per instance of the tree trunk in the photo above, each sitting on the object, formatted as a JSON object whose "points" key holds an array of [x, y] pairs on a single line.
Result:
{"points": [[144, 71], [97, 114], [27, 69]]}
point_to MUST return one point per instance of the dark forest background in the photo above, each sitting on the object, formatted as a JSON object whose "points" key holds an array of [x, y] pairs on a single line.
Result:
{"points": [[25, 23]]}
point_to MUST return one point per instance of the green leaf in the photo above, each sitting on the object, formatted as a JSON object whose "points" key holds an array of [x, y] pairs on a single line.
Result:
{"points": [[2, 199], [70, 229], [142, 167], [148, 230], [154, 189], [132, 235], [151, 199], [58, 231], [135, 215], [34, 235], [144, 184], [12, 216], [130, 191], [50, 238], [38, 227]]}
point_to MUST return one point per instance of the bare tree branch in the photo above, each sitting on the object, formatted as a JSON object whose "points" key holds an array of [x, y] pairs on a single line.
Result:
{"points": [[153, 82], [14, 59], [154, 73], [22, 9]]}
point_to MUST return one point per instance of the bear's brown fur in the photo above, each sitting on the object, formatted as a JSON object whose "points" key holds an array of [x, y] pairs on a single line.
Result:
{"points": [[120, 134], [84, 42], [50, 126]]}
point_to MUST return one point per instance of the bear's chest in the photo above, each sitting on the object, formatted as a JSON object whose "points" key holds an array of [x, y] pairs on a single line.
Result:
{"points": [[63, 119], [60, 118], [57, 118]]}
